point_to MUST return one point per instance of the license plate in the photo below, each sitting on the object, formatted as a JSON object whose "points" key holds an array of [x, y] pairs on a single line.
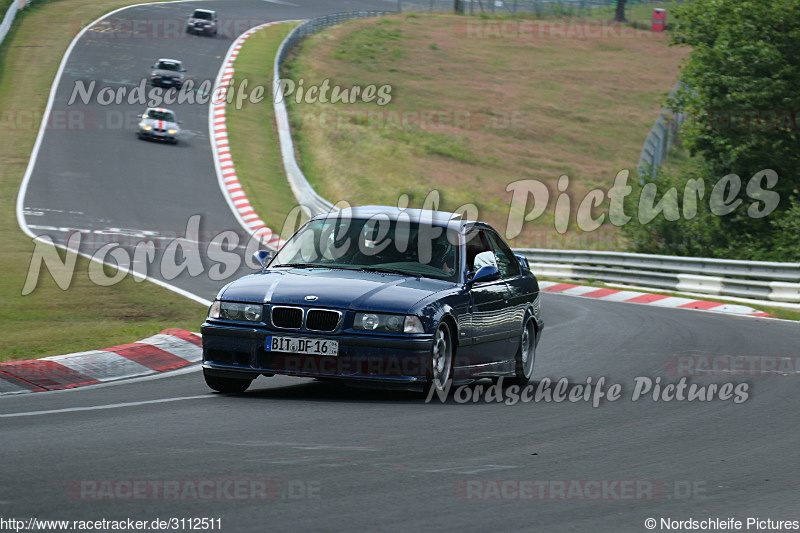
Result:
{"points": [[301, 345]]}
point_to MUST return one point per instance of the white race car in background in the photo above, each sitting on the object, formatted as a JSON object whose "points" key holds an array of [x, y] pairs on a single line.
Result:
{"points": [[159, 124]]}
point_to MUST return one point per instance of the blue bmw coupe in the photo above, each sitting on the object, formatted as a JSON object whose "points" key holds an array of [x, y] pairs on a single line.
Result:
{"points": [[379, 296]]}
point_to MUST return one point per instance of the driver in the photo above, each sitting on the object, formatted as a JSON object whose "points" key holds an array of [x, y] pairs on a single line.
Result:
{"points": [[443, 255]]}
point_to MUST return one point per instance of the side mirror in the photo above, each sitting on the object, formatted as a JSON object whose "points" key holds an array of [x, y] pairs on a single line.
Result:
{"points": [[263, 257], [523, 261], [484, 274]]}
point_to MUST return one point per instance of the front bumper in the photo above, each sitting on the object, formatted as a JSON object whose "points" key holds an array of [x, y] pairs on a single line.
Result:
{"points": [[158, 136], [199, 28], [160, 81], [383, 358]]}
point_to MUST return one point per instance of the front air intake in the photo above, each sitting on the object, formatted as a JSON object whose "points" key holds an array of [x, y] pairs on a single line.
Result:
{"points": [[287, 317], [322, 320]]}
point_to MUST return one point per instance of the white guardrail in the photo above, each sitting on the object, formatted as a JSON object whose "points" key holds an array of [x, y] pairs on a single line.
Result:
{"points": [[8, 19], [307, 197], [761, 280], [779, 282]]}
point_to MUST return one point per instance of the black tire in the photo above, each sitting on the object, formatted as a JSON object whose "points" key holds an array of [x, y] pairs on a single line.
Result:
{"points": [[220, 384], [440, 364], [526, 354]]}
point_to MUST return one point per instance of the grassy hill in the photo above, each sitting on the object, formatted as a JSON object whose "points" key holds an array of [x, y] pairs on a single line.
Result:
{"points": [[479, 103]]}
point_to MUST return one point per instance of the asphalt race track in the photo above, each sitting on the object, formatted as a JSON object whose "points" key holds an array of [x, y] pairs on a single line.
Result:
{"points": [[93, 175], [297, 454]]}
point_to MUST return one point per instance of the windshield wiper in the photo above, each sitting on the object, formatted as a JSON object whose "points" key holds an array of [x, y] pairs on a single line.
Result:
{"points": [[388, 271], [300, 265]]}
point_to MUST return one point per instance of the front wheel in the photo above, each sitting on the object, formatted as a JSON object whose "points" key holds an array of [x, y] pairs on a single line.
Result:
{"points": [[441, 360], [526, 354], [220, 384]]}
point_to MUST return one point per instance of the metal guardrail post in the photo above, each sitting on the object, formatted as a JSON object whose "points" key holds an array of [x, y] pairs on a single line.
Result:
{"points": [[658, 141]]}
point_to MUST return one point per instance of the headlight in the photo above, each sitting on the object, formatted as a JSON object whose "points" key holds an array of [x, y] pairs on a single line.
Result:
{"points": [[388, 323], [236, 311], [172, 132], [413, 324], [146, 128]]}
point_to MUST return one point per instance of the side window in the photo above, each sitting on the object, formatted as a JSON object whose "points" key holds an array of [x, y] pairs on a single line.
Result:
{"points": [[479, 250], [507, 262]]}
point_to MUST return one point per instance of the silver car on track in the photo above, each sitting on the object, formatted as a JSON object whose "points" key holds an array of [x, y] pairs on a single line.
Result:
{"points": [[159, 124], [167, 73]]}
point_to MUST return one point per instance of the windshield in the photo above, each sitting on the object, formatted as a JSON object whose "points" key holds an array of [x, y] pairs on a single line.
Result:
{"points": [[407, 248], [205, 15], [167, 65], [160, 115]]}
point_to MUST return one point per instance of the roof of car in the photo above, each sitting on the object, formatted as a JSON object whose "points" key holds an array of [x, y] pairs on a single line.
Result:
{"points": [[204, 10], [167, 60], [438, 218]]}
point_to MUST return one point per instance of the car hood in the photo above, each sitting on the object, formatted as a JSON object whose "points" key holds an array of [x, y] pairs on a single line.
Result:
{"points": [[170, 73], [193, 20], [341, 289]]}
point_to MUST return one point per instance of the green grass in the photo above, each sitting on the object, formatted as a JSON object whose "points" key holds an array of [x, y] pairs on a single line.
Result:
{"points": [[4, 5], [50, 321], [252, 130], [479, 111]]}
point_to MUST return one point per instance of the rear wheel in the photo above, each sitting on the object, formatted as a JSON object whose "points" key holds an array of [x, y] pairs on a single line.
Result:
{"points": [[221, 384], [526, 354], [440, 367]]}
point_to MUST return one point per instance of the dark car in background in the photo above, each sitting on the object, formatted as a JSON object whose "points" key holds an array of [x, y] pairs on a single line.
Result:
{"points": [[167, 73], [379, 296], [202, 21]]}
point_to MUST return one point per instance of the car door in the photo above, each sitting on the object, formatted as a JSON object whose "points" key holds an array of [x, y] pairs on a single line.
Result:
{"points": [[489, 330], [519, 287]]}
